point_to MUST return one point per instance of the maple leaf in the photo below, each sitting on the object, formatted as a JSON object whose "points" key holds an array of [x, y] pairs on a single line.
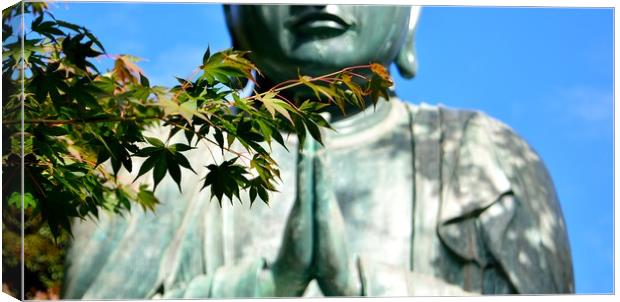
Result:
{"points": [[273, 105], [187, 110], [227, 67], [381, 71], [125, 70]]}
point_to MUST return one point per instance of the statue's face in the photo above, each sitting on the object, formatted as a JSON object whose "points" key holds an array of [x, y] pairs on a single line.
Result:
{"points": [[317, 39]]}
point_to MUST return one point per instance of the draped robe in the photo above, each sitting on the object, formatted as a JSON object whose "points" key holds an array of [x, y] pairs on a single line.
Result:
{"points": [[435, 201]]}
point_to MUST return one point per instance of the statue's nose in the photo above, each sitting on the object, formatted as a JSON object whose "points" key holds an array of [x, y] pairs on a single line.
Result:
{"points": [[298, 9]]}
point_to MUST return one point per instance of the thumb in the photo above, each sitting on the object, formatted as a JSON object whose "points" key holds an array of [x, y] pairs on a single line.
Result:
{"points": [[336, 273], [291, 268]]}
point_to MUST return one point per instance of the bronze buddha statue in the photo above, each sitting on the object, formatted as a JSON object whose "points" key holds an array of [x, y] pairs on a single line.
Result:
{"points": [[401, 200]]}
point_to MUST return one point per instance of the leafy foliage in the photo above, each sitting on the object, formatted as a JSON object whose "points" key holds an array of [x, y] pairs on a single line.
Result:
{"points": [[81, 127], [43, 255], [75, 129]]}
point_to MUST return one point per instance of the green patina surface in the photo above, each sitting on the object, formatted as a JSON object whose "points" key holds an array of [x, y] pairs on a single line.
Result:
{"points": [[401, 199]]}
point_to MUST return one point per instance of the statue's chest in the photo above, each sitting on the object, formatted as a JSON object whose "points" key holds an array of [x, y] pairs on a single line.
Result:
{"points": [[374, 188], [373, 182]]}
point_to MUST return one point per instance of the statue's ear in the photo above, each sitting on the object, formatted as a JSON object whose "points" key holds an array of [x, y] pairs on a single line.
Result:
{"points": [[406, 61], [229, 24]]}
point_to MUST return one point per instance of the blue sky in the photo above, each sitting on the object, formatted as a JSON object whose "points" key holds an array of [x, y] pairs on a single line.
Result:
{"points": [[546, 72]]}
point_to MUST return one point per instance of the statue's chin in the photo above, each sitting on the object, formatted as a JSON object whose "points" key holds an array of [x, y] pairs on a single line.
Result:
{"points": [[279, 72]]}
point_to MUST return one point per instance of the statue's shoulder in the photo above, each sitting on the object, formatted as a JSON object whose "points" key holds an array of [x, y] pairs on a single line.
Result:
{"points": [[490, 173], [474, 138], [464, 121], [479, 133]]}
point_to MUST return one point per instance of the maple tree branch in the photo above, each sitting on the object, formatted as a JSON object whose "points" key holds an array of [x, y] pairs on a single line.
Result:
{"points": [[209, 140], [81, 121]]}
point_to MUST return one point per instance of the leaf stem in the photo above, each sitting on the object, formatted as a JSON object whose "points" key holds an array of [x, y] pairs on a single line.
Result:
{"points": [[208, 139], [81, 121], [294, 83]]}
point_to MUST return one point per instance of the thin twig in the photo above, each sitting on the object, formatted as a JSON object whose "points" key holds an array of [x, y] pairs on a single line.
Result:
{"points": [[209, 140], [81, 121]]}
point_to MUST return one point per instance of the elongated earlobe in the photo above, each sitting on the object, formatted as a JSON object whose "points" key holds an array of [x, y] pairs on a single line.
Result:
{"points": [[230, 25], [406, 61]]}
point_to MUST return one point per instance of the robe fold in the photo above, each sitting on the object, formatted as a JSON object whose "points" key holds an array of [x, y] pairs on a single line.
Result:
{"points": [[435, 201]]}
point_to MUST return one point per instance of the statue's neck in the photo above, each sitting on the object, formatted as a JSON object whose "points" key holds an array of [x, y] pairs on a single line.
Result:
{"points": [[353, 115]]}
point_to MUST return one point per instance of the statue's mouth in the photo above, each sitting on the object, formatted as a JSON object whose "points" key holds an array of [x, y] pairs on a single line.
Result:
{"points": [[318, 24]]}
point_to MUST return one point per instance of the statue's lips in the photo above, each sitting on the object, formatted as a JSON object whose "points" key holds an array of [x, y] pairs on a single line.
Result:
{"points": [[323, 24]]}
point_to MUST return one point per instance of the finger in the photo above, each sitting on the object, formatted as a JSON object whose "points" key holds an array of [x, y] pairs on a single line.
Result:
{"points": [[292, 266], [336, 272]]}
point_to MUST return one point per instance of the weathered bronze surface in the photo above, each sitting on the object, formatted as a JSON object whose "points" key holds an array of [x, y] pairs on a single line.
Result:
{"points": [[402, 200]]}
